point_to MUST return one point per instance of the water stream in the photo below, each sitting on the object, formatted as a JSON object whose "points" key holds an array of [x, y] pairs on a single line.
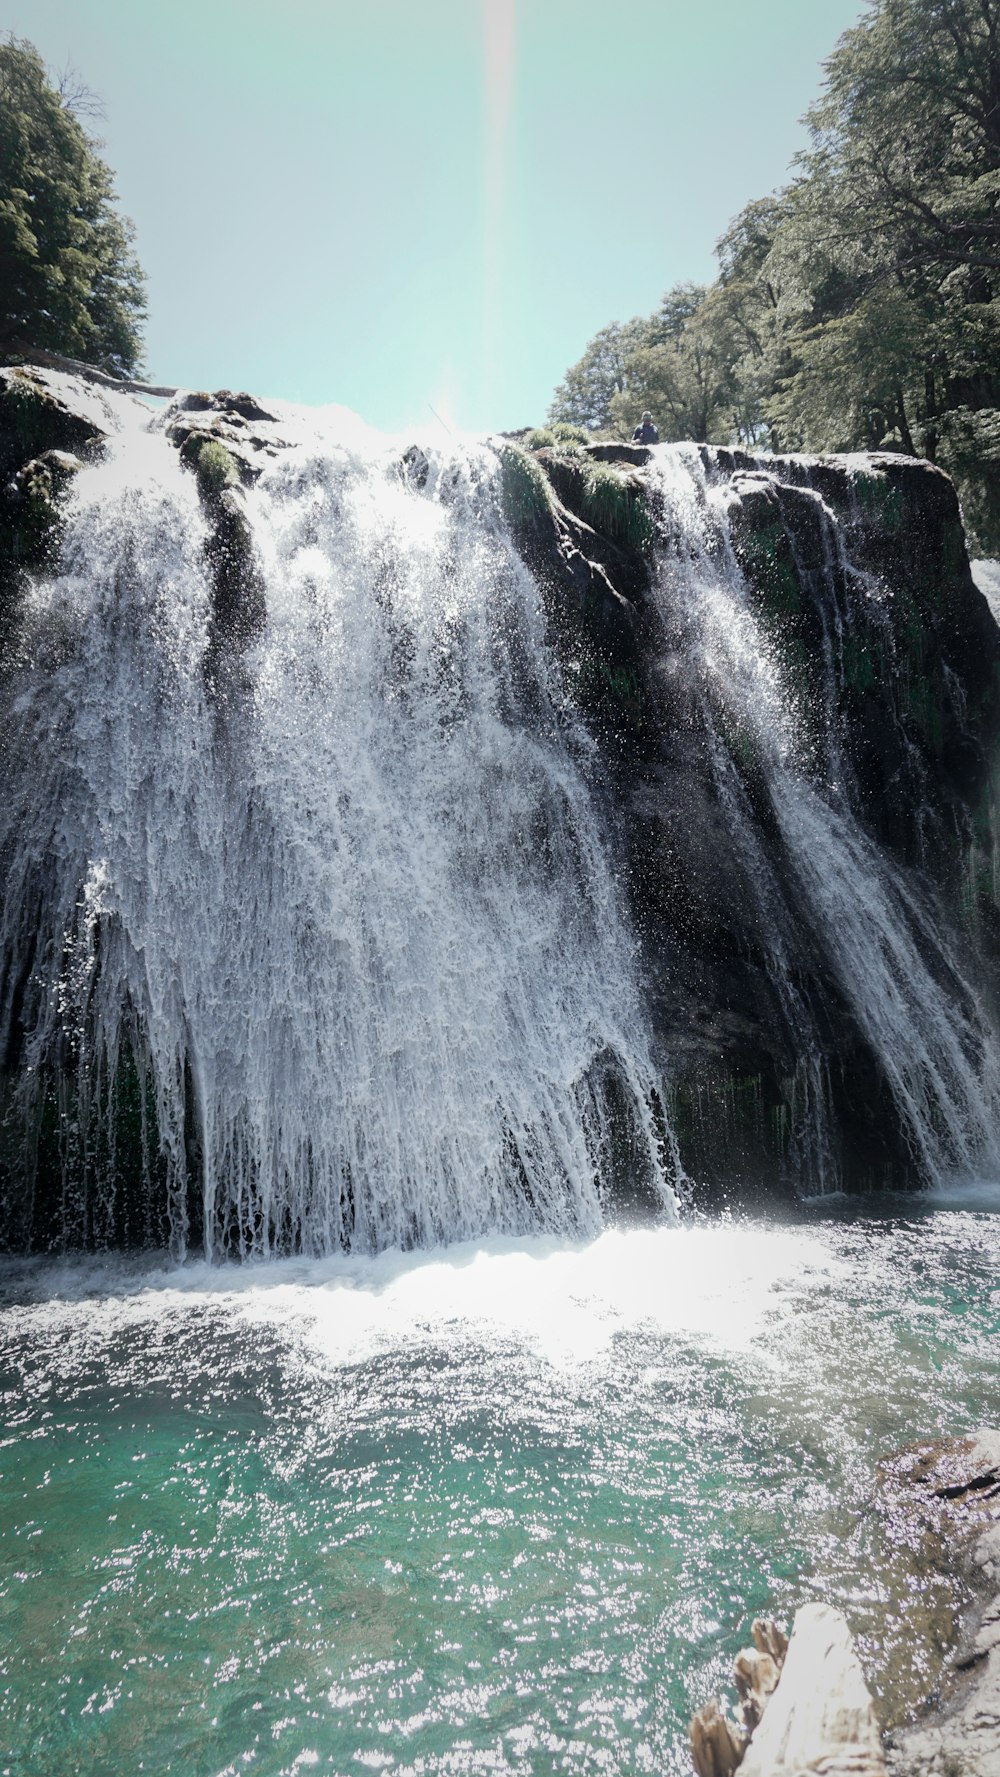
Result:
{"points": [[885, 941], [350, 911]]}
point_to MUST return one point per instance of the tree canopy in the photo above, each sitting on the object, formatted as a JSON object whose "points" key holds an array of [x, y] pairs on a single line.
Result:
{"points": [[860, 306], [69, 279]]}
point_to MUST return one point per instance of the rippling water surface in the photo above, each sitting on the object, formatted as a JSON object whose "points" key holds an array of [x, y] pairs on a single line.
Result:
{"points": [[507, 1507]]}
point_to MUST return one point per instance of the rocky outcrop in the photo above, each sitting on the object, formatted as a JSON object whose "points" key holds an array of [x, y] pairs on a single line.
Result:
{"points": [[820, 1722], [49, 426], [807, 1711], [44, 410], [806, 1707], [858, 579], [227, 422], [956, 1487], [51, 423], [239, 611], [594, 584], [718, 1743]]}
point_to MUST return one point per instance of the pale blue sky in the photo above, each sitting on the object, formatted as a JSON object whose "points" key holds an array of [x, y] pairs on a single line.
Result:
{"points": [[387, 204]]}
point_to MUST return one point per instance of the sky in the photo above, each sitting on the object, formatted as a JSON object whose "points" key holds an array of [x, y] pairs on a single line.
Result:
{"points": [[406, 205]]}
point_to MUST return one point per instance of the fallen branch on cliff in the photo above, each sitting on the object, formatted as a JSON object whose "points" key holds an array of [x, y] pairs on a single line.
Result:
{"points": [[75, 367]]}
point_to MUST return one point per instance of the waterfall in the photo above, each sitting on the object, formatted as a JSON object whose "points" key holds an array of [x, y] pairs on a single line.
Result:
{"points": [[877, 927], [323, 915], [330, 932]]}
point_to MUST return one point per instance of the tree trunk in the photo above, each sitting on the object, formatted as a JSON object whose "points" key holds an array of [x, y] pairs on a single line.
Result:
{"points": [[904, 426]]}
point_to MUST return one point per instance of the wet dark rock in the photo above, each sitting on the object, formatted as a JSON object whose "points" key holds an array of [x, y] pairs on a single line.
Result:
{"points": [[243, 406], [47, 431], [590, 584], [907, 643], [239, 610], [635, 454], [30, 517], [415, 467]]}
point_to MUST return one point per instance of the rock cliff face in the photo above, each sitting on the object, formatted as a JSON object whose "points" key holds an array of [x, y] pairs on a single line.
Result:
{"points": [[855, 581], [793, 689]]}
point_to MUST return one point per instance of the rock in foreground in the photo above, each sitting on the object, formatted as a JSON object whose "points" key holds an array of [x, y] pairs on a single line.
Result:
{"points": [[820, 1720], [961, 1737]]}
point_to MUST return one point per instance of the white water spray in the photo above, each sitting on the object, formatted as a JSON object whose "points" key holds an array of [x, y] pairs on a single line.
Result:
{"points": [[885, 945], [353, 910]]}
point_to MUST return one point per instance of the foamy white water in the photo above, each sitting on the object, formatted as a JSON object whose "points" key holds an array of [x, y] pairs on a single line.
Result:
{"points": [[986, 574], [563, 1301], [349, 900]]}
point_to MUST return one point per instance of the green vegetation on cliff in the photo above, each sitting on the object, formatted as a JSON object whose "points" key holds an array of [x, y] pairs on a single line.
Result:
{"points": [[858, 308], [69, 280]]}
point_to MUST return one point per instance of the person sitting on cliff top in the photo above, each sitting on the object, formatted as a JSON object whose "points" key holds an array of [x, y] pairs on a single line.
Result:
{"points": [[645, 432]]}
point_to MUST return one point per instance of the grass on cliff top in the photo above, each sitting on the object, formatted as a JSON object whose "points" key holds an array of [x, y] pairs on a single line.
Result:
{"points": [[615, 505], [558, 436], [526, 494]]}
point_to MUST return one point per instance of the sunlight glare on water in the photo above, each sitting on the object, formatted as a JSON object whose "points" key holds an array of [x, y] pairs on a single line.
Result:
{"points": [[509, 1506]]}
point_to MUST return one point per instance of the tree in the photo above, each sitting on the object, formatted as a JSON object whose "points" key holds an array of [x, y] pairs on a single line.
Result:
{"points": [[69, 280], [584, 396], [749, 316], [680, 372], [860, 306], [907, 135], [851, 378], [887, 257]]}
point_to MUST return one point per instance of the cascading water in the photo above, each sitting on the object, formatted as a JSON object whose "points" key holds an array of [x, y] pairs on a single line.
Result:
{"points": [[879, 931], [313, 934], [335, 922]]}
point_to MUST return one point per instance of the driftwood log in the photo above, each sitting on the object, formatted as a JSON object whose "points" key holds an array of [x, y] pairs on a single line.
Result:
{"points": [[19, 351]]}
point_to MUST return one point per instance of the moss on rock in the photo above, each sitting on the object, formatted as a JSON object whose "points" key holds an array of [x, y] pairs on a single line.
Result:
{"points": [[879, 499], [615, 504], [31, 519], [34, 420], [525, 491], [611, 501], [213, 463], [764, 552], [863, 663]]}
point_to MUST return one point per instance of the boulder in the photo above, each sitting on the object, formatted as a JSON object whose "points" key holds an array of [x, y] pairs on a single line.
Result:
{"points": [[50, 424], [957, 1485], [717, 1746], [245, 406], [42, 410], [820, 1722]]}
